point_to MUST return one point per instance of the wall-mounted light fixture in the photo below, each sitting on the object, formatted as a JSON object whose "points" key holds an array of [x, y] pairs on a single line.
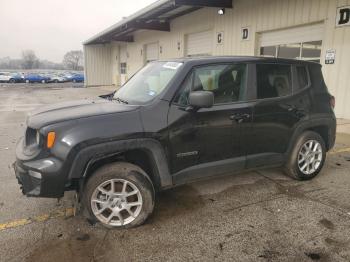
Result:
{"points": [[221, 11]]}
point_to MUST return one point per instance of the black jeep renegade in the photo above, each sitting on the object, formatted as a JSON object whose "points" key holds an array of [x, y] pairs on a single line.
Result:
{"points": [[174, 122]]}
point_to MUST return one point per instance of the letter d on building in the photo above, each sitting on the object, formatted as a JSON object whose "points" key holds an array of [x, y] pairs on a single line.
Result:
{"points": [[344, 16]]}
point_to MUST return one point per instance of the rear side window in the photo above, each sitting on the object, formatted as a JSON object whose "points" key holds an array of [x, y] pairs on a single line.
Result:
{"points": [[303, 79], [273, 80]]}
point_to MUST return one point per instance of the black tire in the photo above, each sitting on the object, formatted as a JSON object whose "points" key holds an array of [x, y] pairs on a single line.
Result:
{"points": [[292, 168], [130, 173], [12, 81], [56, 81]]}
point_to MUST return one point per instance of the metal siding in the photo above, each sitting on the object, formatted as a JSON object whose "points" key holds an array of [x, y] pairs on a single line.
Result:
{"points": [[98, 68], [115, 62], [199, 43], [152, 52], [337, 75], [293, 35], [260, 16]]}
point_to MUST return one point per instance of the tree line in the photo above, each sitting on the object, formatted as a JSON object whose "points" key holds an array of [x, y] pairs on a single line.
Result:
{"points": [[72, 60]]}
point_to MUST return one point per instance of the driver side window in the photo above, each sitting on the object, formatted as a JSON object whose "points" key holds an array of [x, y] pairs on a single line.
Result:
{"points": [[226, 81]]}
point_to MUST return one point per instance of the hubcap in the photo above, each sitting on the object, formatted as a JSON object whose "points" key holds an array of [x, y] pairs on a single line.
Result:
{"points": [[116, 202], [310, 157]]}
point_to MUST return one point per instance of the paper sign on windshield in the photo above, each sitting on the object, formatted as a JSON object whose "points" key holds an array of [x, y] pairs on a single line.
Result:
{"points": [[172, 65]]}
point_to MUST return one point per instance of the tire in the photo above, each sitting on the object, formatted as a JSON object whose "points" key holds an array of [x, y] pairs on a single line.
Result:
{"points": [[12, 81], [27, 81], [305, 163], [43, 81], [56, 81], [100, 202]]}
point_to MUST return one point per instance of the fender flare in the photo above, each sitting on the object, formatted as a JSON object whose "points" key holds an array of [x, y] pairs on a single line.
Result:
{"points": [[307, 125], [91, 154]]}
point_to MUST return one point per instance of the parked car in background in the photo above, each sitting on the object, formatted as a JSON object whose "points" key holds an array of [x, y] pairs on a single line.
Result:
{"points": [[76, 78], [58, 78], [36, 78], [10, 77]]}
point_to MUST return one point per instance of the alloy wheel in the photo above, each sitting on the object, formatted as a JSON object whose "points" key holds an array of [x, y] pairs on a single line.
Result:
{"points": [[116, 202], [310, 157]]}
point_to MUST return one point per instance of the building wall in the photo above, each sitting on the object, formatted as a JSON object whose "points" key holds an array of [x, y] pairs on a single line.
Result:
{"points": [[98, 66], [260, 16]]}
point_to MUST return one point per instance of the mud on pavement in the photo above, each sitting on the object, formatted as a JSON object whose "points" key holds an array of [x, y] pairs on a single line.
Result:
{"points": [[253, 216]]}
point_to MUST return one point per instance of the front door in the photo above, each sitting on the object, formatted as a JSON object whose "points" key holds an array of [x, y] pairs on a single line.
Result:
{"points": [[208, 141]]}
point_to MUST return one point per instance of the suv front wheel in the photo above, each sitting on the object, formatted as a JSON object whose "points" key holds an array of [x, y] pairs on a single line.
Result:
{"points": [[307, 157], [119, 195]]}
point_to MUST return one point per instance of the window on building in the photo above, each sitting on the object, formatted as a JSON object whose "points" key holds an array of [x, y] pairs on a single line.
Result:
{"points": [[269, 51], [310, 51], [273, 80], [123, 68], [227, 82], [291, 51], [303, 79]]}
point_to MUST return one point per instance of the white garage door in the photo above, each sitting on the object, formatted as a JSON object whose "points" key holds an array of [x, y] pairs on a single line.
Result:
{"points": [[199, 43], [304, 42], [152, 52]]}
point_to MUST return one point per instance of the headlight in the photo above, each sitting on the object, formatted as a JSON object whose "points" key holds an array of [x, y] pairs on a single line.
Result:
{"points": [[37, 138]]}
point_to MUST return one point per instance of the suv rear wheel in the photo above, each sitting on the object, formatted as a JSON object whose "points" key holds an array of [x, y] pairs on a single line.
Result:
{"points": [[307, 157], [119, 195]]}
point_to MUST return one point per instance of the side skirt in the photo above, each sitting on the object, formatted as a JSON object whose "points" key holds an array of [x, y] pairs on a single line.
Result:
{"points": [[227, 166]]}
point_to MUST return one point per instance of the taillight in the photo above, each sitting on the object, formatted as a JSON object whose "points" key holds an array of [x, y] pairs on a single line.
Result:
{"points": [[332, 102]]}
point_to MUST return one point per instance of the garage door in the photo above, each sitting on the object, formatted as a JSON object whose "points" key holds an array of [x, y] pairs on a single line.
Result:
{"points": [[152, 52], [199, 43], [304, 42]]}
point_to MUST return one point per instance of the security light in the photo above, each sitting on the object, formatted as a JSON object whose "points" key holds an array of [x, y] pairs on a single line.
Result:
{"points": [[221, 11]]}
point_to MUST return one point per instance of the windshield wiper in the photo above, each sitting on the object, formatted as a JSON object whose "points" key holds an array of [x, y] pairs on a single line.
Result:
{"points": [[120, 100]]}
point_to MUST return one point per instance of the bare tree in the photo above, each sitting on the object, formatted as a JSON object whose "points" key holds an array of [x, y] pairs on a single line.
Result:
{"points": [[30, 60], [74, 60]]}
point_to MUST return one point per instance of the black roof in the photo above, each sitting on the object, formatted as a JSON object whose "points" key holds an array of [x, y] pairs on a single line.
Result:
{"points": [[222, 59]]}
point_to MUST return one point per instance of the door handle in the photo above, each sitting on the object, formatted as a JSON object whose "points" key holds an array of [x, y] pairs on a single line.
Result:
{"points": [[239, 118], [290, 108]]}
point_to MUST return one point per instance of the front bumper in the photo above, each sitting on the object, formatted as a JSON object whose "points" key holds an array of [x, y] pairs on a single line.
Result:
{"points": [[40, 178]]}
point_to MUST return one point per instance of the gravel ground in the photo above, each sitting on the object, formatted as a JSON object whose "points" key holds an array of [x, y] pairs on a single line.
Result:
{"points": [[253, 216]]}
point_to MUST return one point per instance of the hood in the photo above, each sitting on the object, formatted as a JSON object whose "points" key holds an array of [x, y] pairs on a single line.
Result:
{"points": [[71, 110]]}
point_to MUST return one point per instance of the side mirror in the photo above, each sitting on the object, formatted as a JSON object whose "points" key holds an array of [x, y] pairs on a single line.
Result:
{"points": [[201, 99]]}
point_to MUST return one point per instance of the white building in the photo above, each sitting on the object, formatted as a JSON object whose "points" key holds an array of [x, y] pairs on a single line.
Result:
{"points": [[316, 30]]}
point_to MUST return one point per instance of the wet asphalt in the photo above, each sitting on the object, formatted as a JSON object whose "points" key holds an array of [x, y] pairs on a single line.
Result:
{"points": [[253, 216]]}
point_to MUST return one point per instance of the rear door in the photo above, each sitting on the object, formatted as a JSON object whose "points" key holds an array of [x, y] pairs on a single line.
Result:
{"points": [[276, 113], [209, 140]]}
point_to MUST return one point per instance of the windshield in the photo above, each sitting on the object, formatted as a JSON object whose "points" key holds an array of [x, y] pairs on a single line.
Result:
{"points": [[148, 83]]}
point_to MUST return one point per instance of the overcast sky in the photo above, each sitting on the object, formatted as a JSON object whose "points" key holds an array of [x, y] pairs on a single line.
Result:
{"points": [[53, 27]]}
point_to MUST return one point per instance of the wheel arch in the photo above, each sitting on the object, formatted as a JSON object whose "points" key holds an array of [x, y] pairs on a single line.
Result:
{"points": [[148, 154], [324, 127]]}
